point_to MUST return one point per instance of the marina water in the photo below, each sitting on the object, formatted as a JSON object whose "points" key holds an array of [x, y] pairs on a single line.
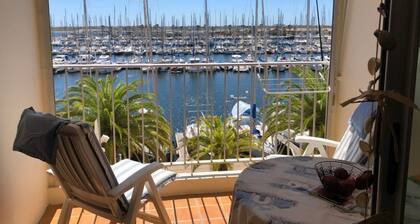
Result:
{"points": [[180, 95]]}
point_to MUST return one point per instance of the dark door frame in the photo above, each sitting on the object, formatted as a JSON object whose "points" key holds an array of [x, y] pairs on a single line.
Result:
{"points": [[399, 74]]}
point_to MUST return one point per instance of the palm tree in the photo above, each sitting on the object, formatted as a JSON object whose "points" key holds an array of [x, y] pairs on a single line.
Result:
{"points": [[218, 139], [301, 105], [149, 131]]}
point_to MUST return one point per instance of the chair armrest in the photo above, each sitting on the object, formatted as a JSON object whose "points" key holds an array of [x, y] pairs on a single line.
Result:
{"points": [[315, 143], [141, 175], [316, 140]]}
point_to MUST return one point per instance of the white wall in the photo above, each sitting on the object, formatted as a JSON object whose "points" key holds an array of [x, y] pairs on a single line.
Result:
{"points": [[24, 81], [357, 46], [414, 165]]}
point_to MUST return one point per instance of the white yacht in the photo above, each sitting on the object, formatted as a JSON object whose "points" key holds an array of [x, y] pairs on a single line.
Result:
{"points": [[104, 59], [64, 59], [135, 60], [86, 59], [194, 69], [236, 58], [60, 59], [249, 58]]}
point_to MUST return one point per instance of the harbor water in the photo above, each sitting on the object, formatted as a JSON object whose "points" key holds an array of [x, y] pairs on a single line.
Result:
{"points": [[186, 95]]}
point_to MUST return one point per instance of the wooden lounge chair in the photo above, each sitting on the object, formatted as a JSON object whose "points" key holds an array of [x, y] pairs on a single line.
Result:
{"points": [[115, 192]]}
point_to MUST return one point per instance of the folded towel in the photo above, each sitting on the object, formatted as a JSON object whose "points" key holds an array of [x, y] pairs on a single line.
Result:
{"points": [[37, 135], [362, 113]]}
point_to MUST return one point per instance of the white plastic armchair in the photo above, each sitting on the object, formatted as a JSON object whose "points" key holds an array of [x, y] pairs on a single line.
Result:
{"points": [[346, 149], [316, 143]]}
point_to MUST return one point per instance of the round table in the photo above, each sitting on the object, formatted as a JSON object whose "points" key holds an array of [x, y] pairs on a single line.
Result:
{"points": [[280, 190]]}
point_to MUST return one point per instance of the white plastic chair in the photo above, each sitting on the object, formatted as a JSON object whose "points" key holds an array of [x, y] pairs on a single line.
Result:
{"points": [[348, 147]]}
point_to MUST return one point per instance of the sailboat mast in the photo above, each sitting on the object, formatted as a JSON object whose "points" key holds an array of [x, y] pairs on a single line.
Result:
{"points": [[77, 32], [319, 30], [308, 16], [264, 30], [147, 25], [65, 22], [162, 32], [256, 31], [86, 25], [111, 36], [206, 21], [85, 16], [254, 72]]}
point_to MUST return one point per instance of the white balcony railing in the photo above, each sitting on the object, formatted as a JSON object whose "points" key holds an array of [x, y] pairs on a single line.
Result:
{"points": [[211, 116]]}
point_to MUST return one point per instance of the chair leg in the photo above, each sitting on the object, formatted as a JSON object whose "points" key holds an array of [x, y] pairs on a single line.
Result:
{"points": [[134, 204], [65, 212], [157, 200]]}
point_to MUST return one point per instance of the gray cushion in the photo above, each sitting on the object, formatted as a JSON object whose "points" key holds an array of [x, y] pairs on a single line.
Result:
{"points": [[125, 168]]}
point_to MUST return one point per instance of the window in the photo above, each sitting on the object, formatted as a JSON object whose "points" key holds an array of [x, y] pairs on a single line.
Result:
{"points": [[236, 79]]}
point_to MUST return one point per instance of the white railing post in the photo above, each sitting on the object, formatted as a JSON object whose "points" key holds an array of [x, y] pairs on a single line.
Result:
{"points": [[128, 115], [114, 143]]}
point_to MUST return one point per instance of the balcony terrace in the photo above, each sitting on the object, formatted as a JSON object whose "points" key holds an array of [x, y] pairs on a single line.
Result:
{"points": [[202, 192], [289, 98]]}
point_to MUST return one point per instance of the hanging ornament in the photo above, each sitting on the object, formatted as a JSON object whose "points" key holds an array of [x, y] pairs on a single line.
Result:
{"points": [[366, 148], [385, 39], [373, 65], [369, 125], [383, 10]]}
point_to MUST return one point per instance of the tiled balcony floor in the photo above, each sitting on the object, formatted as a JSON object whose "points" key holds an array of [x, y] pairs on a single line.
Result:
{"points": [[197, 209]]}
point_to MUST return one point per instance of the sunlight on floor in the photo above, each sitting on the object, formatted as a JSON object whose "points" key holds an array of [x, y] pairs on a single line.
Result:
{"points": [[197, 209]]}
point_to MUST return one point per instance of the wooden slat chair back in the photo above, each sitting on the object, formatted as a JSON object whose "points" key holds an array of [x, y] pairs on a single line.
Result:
{"points": [[84, 171], [89, 181]]}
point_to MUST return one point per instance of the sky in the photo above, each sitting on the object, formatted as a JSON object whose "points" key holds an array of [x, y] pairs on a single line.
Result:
{"points": [[220, 11]]}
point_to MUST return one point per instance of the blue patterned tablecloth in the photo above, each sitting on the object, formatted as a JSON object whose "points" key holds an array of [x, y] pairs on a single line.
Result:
{"points": [[278, 191]]}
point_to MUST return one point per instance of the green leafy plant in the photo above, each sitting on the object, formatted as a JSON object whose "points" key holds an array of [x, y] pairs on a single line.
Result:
{"points": [[219, 139], [121, 107]]}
